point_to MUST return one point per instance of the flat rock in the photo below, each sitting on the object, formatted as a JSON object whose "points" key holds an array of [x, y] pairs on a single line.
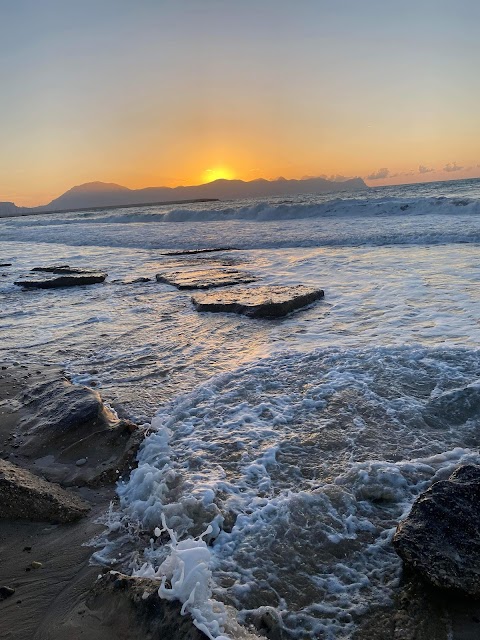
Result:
{"points": [[205, 278], [60, 279], [258, 302], [191, 252], [63, 269], [5, 264], [24, 496], [440, 538]]}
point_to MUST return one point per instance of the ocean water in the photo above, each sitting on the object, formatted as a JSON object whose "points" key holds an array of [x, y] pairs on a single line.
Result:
{"points": [[280, 454]]}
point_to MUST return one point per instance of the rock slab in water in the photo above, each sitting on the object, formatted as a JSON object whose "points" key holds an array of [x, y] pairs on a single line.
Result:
{"points": [[205, 278], [191, 252], [440, 538], [56, 280], [258, 302], [64, 269], [24, 496]]}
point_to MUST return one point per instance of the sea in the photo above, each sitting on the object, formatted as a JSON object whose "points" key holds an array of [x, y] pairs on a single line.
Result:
{"points": [[279, 454]]}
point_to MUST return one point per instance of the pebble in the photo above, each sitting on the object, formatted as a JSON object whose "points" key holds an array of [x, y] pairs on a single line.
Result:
{"points": [[36, 565], [6, 592], [80, 462]]}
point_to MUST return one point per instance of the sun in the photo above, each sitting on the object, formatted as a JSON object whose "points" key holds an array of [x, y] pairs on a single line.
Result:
{"points": [[218, 173]]}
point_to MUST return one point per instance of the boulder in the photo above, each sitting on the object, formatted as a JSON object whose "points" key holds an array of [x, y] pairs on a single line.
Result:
{"points": [[60, 279], [24, 496], [205, 278], [440, 538], [258, 302]]}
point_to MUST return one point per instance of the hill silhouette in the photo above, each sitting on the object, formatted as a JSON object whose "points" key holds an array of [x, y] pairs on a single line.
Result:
{"points": [[105, 194]]}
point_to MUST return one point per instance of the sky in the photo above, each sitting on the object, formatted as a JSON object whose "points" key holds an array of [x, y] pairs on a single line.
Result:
{"points": [[169, 92]]}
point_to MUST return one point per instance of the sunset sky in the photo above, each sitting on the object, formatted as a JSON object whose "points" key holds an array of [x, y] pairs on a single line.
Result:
{"points": [[169, 92]]}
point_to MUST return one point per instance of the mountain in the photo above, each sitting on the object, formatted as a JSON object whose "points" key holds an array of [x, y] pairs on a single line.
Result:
{"points": [[103, 194]]}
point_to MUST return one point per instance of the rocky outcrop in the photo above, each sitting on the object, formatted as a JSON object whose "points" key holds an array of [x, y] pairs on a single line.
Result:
{"points": [[65, 431], [24, 496], [136, 601], [57, 279], [144, 615], [258, 302], [205, 278], [440, 538]]}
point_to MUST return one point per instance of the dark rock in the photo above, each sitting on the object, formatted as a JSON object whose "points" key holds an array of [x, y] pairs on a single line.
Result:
{"points": [[258, 302], [55, 281], [24, 496], [6, 592], [62, 269], [136, 602], [5, 264], [58, 424], [138, 280], [205, 278], [440, 538], [190, 252]]}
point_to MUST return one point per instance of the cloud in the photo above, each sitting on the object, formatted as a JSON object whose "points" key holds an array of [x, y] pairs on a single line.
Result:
{"points": [[334, 177], [452, 166], [423, 169], [380, 174]]}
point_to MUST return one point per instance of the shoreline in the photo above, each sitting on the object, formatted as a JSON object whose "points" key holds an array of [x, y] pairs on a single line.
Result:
{"points": [[56, 591]]}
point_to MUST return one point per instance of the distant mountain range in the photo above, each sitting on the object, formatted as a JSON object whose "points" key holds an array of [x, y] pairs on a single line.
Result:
{"points": [[105, 194]]}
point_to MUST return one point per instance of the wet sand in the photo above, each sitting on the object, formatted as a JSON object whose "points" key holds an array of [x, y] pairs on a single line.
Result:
{"points": [[48, 565]]}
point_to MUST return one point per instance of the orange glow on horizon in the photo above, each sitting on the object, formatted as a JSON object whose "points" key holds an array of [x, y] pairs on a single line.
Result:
{"points": [[219, 173]]}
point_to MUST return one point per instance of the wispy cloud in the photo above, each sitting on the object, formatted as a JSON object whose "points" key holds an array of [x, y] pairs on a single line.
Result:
{"points": [[423, 169], [452, 166], [380, 174]]}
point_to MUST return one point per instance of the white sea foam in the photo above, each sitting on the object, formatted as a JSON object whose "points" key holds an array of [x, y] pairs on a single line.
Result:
{"points": [[298, 468]]}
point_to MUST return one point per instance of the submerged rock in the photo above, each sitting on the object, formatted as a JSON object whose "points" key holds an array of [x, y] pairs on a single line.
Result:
{"points": [[191, 252], [205, 278], [258, 302], [440, 538], [63, 278], [5, 264], [138, 280], [24, 496]]}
